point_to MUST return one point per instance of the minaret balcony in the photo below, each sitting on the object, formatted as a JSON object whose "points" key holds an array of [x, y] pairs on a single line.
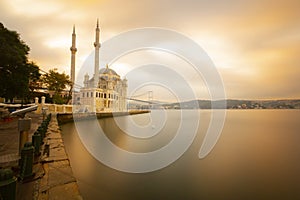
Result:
{"points": [[73, 49], [97, 45]]}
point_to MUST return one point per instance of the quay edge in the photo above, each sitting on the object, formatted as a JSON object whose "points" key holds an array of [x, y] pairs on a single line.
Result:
{"points": [[70, 117]]}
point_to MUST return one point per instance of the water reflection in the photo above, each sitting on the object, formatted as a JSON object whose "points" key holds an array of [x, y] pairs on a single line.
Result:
{"points": [[119, 137], [257, 157]]}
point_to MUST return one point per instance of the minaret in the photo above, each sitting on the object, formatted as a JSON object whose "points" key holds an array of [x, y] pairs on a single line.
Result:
{"points": [[97, 47], [73, 52]]}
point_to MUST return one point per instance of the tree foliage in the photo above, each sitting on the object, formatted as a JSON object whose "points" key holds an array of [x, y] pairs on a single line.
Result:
{"points": [[15, 69], [57, 82], [34, 79]]}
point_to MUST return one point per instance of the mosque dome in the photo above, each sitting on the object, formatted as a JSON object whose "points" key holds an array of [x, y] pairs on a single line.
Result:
{"points": [[107, 70]]}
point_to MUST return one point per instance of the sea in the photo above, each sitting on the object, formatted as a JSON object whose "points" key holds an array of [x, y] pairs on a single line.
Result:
{"points": [[256, 156]]}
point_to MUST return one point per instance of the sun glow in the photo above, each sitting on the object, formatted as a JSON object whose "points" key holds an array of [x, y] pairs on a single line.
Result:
{"points": [[58, 42], [35, 8]]}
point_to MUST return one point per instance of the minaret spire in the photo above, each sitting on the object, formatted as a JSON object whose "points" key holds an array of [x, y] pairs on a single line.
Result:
{"points": [[97, 46], [73, 50]]}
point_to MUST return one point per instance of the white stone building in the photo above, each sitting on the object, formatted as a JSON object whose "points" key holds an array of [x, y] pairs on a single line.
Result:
{"points": [[109, 95], [105, 91]]}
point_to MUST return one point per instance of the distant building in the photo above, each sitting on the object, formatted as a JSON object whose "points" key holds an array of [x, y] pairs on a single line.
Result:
{"points": [[105, 91]]}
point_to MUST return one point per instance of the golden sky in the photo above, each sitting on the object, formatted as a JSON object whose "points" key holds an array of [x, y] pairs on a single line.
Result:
{"points": [[255, 44]]}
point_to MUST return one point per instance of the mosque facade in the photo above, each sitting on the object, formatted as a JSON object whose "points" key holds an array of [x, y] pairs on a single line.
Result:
{"points": [[105, 91]]}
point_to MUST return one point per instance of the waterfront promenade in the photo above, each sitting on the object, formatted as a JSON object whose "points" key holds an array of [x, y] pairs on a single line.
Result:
{"points": [[53, 177]]}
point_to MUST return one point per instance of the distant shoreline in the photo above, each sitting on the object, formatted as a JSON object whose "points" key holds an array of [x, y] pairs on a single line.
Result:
{"points": [[224, 104]]}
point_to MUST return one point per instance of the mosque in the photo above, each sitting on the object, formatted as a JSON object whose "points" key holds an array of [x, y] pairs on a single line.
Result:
{"points": [[105, 90]]}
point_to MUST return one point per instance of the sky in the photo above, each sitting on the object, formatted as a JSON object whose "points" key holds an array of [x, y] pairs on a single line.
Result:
{"points": [[254, 44]]}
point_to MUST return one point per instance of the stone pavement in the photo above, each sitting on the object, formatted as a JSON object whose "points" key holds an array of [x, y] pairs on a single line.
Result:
{"points": [[9, 143], [53, 174], [9, 139], [58, 181], [9, 160]]}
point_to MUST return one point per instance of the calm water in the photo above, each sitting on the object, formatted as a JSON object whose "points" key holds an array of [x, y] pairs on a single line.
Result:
{"points": [[256, 157]]}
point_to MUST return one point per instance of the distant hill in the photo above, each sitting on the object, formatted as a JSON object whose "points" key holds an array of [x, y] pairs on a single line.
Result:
{"points": [[230, 104]]}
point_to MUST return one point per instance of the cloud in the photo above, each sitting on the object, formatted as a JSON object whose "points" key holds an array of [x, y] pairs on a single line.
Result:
{"points": [[255, 44]]}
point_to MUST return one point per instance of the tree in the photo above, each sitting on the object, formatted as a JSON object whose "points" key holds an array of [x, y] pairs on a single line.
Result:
{"points": [[34, 79], [57, 82], [15, 69]]}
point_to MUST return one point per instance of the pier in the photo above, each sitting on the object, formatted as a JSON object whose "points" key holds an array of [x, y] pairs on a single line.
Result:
{"points": [[50, 174]]}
